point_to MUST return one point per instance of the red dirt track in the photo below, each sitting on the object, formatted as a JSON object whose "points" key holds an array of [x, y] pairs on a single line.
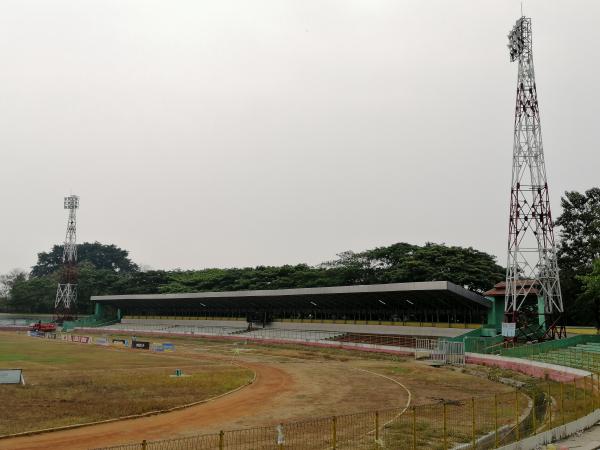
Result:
{"points": [[270, 383]]}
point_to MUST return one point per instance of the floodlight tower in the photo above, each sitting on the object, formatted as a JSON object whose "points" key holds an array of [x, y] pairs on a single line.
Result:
{"points": [[532, 280], [66, 293]]}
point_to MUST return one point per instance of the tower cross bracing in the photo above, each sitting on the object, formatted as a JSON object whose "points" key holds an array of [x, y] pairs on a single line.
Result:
{"points": [[532, 268]]}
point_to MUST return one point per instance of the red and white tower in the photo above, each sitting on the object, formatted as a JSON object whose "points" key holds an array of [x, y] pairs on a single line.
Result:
{"points": [[533, 296], [66, 293]]}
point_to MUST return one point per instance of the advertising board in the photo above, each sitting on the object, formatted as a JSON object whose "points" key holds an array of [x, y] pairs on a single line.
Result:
{"points": [[80, 339], [140, 345]]}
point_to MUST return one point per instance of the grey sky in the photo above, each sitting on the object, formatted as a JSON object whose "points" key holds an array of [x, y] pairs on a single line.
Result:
{"points": [[234, 132]]}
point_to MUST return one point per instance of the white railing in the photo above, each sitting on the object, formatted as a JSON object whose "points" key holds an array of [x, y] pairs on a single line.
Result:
{"points": [[440, 351]]}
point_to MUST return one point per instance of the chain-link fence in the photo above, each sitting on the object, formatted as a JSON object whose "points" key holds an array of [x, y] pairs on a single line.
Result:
{"points": [[472, 423]]}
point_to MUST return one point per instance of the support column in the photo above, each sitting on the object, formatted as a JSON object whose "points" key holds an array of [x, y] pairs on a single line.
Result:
{"points": [[496, 312], [541, 312]]}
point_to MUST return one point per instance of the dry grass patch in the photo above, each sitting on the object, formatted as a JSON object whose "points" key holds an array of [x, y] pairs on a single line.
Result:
{"points": [[77, 383]]}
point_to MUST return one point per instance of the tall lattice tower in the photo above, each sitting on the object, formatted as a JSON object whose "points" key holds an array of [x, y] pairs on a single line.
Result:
{"points": [[533, 297], [66, 293]]}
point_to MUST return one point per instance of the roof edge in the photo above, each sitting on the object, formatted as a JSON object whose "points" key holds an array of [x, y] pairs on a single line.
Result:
{"points": [[353, 289]]}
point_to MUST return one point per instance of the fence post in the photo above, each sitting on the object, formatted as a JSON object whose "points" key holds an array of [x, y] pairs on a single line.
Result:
{"points": [[550, 403], [517, 430], [280, 436], [594, 391], [414, 428], [376, 425], [562, 402], [576, 406], [585, 406], [221, 440], [592, 401], [334, 432], [533, 421], [144, 444], [495, 420], [473, 422], [445, 429]]}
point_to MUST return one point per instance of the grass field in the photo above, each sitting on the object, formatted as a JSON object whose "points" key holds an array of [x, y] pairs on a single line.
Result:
{"points": [[73, 383], [68, 383]]}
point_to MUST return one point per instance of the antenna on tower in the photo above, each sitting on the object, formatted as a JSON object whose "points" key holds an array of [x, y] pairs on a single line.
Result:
{"points": [[66, 292], [533, 300]]}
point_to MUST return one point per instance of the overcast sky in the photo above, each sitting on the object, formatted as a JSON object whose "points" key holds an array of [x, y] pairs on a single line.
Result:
{"points": [[232, 132]]}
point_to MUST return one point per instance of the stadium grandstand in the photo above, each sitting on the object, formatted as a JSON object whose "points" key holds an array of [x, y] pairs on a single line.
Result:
{"points": [[436, 308]]}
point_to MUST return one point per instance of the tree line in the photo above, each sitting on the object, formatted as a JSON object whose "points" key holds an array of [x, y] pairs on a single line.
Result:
{"points": [[107, 269]]}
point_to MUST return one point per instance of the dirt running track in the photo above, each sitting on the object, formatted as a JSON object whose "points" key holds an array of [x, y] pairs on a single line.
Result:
{"points": [[271, 382]]}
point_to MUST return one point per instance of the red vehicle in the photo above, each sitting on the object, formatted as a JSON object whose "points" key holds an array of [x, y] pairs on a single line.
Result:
{"points": [[43, 327]]}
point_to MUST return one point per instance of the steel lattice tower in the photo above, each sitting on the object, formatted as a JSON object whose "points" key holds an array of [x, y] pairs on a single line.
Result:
{"points": [[66, 293], [532, 268]]}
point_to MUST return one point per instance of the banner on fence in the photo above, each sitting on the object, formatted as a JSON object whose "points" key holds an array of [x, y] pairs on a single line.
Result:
{"points": [[120, 342], [81, 339], [140, 345], [168, 347], [35, 333], [157, 347]]}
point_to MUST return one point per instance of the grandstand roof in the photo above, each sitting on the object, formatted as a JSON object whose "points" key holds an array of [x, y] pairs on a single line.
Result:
{"points": [[430, 293]]}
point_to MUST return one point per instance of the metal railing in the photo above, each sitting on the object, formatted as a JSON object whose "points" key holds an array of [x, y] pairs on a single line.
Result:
{"points": [[323, 337]]}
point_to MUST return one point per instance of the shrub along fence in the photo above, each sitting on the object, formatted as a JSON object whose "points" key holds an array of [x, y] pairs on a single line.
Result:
{"points": [[529, 350], [472, 423]]}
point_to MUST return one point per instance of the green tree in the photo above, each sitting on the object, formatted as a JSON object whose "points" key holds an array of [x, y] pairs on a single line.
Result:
{"points": [[579, 246], [7, 281], [110, 271], [143, 282], [404, 262], [591, 291], [101, 256], [33, 295]]}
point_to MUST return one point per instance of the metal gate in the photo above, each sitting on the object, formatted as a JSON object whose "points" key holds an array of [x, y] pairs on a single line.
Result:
{"points": [[440, 351]]}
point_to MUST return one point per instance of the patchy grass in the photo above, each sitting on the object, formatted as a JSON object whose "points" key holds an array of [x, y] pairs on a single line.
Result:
{"points": [[69, 383]]}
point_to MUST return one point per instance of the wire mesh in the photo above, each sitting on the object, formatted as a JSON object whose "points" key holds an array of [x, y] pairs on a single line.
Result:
{"points": [[471, 423], [138, 446], [209, 441]]}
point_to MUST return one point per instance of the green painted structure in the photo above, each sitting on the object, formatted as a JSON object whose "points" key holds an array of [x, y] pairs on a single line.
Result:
{"points": [[496, 313]]}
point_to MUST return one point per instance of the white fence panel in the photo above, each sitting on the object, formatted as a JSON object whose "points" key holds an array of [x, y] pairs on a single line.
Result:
{"points": [[441, 351]]}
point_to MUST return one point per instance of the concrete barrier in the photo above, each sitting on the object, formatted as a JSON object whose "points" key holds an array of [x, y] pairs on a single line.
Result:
{"points": [[555, 434]]}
